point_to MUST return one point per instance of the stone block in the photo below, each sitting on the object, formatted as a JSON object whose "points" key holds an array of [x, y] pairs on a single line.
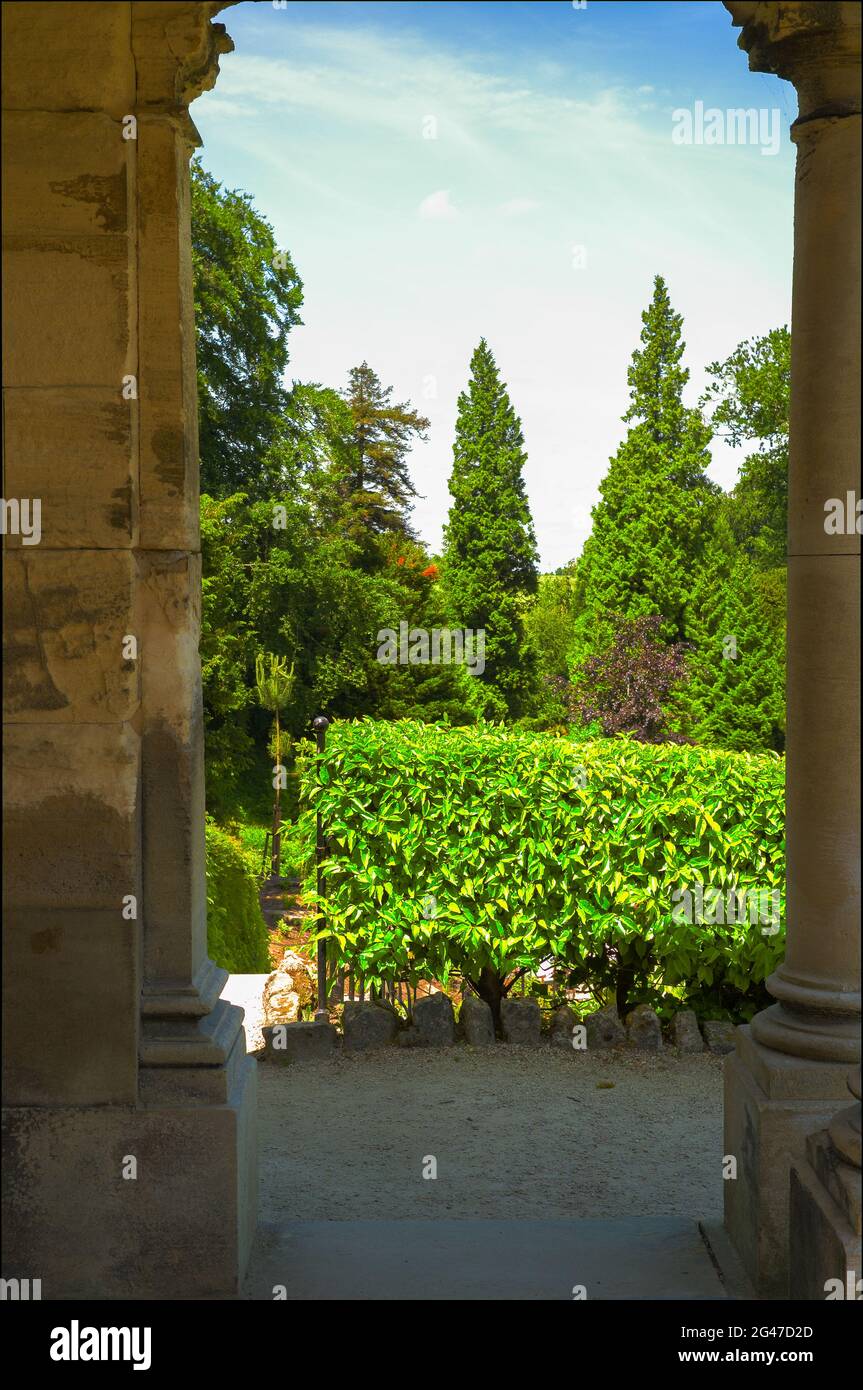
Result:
{"points": [[434, 1020], [825, 1242], [643, 1029], [685, 1033], [182, 1229], [72, 988], [604, 1029], [521, 1022], [368, 1026], [773, 1101], [69, 311], [477, 1023], [719, 1036], [299, 1042], [68, 63], [563, 1021], [66, 173], [72, 450], [66, 615], [71, 827]]}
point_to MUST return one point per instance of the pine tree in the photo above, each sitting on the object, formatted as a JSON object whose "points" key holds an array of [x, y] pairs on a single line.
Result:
{"points": [[656, 502], [490, 554], [376, 484]]}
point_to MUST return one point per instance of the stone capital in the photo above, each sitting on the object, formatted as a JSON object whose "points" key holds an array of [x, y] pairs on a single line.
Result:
{"points": [[815, 45], [176, 50]]}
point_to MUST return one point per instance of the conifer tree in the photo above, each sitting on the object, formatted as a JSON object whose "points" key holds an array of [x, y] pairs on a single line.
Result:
{"points": [[656, 503], [490, 554], [735, 695], [377, 487]]}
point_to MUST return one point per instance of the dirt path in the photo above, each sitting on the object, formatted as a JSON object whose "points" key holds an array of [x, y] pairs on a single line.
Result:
{"points": [[515, 1131]]}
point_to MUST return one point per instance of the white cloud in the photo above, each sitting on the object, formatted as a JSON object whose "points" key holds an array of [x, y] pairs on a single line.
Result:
{"points": [[437, 207], [517, 207]]}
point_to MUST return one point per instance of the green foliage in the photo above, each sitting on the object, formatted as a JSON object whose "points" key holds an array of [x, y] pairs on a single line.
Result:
{"points": [[548, 621], [308, 599], [530, 847], [274, 683], [236, 932], [247, 299], [297, 856], [736, 691], [750, 395], [490, 554]]}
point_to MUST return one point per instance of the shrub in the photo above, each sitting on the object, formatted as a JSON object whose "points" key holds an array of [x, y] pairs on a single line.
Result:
{"points": [[237, 936], [488, 851]]}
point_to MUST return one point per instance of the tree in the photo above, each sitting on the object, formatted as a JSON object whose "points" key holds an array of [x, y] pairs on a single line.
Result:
{"points": [[490, 554], [656, 505], [750, 393], [371, 467], [549, 620], [247, 299], [736, 619], [548, 626], [626, 688], [307, 597], [735, 697]]}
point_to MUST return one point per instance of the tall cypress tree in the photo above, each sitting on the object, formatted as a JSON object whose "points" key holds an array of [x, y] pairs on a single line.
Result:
{"points": [[490, 554], [651, 524]]}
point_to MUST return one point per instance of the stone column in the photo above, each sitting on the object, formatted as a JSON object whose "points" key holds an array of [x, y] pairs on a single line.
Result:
{"points": [[129, 1100], [789, 1075]]}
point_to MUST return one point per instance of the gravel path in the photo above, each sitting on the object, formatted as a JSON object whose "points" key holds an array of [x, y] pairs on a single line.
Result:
{"points": [[518, 1132]]}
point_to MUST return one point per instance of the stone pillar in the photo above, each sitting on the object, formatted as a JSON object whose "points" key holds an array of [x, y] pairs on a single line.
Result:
{"points": [[119, 1057], [788, 1077]]}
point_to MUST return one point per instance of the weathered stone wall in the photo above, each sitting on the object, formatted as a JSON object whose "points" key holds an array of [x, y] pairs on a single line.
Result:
{"points": [[115, 1042]]}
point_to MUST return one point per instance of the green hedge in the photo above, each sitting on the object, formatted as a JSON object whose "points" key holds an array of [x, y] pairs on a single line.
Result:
{"points": [[464, 848], [237, 936]]}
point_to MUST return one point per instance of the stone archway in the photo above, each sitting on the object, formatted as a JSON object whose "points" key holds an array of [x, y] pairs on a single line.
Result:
{"points": [[117, 1045]]}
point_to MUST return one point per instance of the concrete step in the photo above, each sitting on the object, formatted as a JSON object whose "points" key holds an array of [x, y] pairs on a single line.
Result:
{"points": [[653, 1257]]}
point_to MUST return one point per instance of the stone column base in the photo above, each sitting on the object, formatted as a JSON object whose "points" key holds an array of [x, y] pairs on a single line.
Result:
{"points": [[825, 1224], [773, 1102], [181, 1229]]}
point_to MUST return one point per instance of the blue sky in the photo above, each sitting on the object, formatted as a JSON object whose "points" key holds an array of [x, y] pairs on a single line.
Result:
{"points": [[446, 171]]}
